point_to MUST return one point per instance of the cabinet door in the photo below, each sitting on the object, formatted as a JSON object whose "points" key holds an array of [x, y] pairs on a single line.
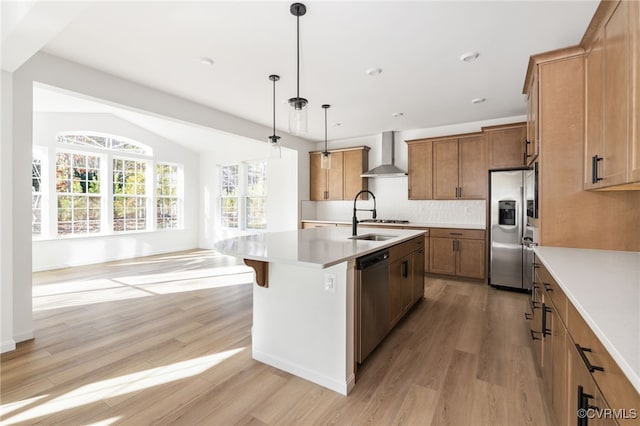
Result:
{"points": [[445, 169], [442, 259], [532, 147], [420, 171], [559, 387], [418, 275], [473, 177], [536, 324], [616, 96], [548, 324], [634, 145], [507, 147], [395, 291], [317, 178], [593, 99], [355, 163], [407, 273], [470, 256], [335, 179]]}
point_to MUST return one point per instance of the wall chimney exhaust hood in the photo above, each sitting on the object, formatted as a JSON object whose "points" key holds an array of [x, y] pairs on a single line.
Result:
{"points": [[387, 168]]}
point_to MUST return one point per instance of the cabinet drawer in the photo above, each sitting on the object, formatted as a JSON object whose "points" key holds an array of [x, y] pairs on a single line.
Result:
{"points": [[472, 234], [616, 388], [552, 291], [398, 251]]}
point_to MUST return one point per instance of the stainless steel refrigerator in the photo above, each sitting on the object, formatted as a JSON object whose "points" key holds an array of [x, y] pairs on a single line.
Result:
{"points": [[509, 257]]}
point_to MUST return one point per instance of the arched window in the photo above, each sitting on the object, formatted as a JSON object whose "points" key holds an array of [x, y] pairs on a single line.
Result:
{"points": [[99, 140], [105, 184]]}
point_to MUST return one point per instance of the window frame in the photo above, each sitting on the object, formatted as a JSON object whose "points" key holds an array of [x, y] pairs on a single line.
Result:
{"points": [[48, 156], [178, 197], [148, 187], [242, 196]]}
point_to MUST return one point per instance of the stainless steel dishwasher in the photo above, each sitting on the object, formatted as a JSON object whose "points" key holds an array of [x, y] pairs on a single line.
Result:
{"points": [[373, 302]]}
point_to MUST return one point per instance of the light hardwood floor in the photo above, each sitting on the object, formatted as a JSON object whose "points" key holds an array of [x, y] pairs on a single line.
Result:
{"points": [[167, 340]]}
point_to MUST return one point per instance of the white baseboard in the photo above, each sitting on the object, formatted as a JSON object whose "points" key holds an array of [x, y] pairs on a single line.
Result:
{"points": [[7, 346], [23, 335], [336, 385]]}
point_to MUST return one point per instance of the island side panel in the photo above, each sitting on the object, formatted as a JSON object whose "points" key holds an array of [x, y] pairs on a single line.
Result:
{"points": [[301, 328]]}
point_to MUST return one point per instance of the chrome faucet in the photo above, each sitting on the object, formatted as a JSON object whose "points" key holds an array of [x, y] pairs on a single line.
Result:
{"points": [[354, 220]]}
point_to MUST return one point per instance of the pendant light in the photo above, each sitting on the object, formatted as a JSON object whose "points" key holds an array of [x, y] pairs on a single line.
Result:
{"points": [[325, 161], [298, 111], [273, 139]]}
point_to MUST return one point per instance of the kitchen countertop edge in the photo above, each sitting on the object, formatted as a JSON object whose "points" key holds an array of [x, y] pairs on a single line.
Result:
{"points": [[551, 257], [372, 247]]}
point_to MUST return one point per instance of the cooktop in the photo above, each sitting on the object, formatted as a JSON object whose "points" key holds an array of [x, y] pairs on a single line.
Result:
{"points": [[383, 221]]}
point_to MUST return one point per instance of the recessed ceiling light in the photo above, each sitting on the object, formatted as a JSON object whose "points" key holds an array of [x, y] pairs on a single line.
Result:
{"points": [[397, 114], [206, 61], [469, 56], [374, 71], [478, 100]]}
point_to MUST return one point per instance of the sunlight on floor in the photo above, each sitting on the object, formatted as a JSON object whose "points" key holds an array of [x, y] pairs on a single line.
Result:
{"points": [[86, 292], [117, 386]]}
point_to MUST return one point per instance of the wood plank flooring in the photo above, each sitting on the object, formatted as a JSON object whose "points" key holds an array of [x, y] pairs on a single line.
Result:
{"points": [[167, 340]]}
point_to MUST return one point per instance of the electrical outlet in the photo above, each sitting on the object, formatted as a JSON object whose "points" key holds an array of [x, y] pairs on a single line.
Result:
{"points": [[330, 283]]}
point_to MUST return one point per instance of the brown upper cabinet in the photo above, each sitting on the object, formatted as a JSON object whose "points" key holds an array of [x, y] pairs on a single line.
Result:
{"points": [[420, 170], [612, 142], [532, 144], [460, 168], [342, 181], [448, 168], [507, 145]]}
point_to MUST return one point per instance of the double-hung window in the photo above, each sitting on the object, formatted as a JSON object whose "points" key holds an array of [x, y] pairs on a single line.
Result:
{"points": [[129, 195], [256, 196], [79, 193], [229, 197], [243, 195], [36, 195], [167, 201]]}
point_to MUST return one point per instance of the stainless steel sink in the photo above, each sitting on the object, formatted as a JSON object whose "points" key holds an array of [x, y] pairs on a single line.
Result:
{"points": [[373, 237]]}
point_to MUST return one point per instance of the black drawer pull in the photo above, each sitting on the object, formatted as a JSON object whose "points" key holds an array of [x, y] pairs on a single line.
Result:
{"points": [[590, 366], [455, 233], [533, 305], [536, 265], [545, 331], [528, 316], [533, 337], [547, 286]]}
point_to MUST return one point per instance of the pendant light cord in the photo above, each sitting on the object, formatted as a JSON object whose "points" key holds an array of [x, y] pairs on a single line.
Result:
{"points": [[298, 51], [325, 130], [274, 107]]}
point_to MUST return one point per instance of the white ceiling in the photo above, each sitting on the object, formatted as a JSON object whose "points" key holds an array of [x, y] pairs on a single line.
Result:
{"points": [[417, 44]]}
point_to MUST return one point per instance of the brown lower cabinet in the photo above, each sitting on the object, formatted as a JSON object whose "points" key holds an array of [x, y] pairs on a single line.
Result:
{"points": [[458, 252], [577, 372], [406, 278]]}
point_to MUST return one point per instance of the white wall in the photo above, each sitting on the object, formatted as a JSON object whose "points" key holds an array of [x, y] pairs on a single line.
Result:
{"points": [[282, 189], [7, 341], [53, 71], [53, 252], [391, 193]]}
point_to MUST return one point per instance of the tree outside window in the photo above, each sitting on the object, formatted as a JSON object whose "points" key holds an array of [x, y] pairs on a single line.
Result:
{"points": [[256, 199], [129, 195], [78, 192], [167, 201], [229, 196]]}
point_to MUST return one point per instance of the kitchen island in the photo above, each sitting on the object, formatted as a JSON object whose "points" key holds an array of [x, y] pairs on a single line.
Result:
{"points": [[304, 306]]}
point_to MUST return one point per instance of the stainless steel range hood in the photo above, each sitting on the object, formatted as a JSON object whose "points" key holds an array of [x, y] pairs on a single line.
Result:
{"points": [[387, 168]]}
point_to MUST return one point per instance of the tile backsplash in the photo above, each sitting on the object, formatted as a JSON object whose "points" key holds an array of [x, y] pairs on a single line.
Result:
{"points": [[392, 203]]}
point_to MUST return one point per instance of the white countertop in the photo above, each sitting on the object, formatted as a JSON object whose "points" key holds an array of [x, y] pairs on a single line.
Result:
{"points": [[317, 247], [412, 224], [604, 286]]}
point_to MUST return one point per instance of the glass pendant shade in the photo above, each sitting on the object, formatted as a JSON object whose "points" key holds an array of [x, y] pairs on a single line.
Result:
{"points": [[325, 160], [298, 116]]}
